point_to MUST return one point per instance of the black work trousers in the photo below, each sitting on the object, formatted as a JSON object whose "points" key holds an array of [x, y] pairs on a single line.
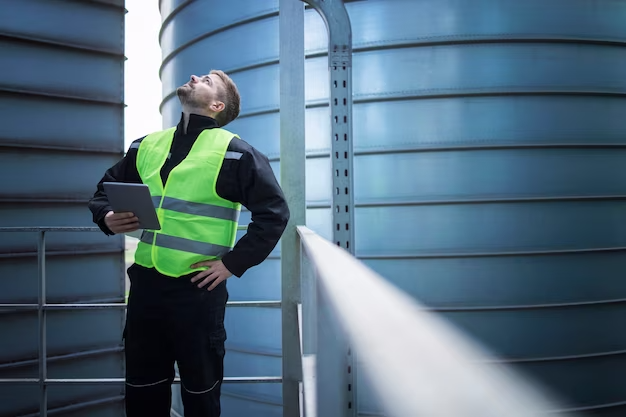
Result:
{"points": [[172, 320]]}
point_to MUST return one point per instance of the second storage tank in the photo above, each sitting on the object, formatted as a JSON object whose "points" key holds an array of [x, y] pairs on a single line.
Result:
{"points": [[62, 111]]}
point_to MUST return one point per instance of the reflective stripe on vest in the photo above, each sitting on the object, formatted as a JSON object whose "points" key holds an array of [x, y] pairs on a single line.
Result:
{"points": [[184, 245], [198, 209]]}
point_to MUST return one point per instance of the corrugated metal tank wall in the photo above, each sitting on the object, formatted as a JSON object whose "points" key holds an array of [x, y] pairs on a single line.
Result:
{"points": [[61, 100], [489, 176]]}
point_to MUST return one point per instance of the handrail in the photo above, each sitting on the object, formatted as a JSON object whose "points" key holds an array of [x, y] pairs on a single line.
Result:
{"points": [[417, 364]]}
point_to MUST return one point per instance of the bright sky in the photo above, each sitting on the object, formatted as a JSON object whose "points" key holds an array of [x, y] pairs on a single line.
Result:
{"points": [[142, 83]]}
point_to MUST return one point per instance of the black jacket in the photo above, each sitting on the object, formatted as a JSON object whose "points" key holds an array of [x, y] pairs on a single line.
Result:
{"points": [[248, 180]]}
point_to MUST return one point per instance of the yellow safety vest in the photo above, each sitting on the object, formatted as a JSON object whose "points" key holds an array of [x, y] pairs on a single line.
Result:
{"points": [[196, 224]]}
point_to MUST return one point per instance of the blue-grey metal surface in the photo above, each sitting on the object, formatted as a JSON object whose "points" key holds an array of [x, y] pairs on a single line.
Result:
{"points": [[490, 147], [292, 179], [333, 395], [337, 21], [61, 95], [489, 143], [342, 394]]}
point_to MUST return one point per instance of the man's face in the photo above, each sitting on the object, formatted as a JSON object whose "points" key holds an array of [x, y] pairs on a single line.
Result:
{"points": [[202, 93]]}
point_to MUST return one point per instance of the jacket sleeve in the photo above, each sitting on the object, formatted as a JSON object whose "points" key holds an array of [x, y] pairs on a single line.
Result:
{"points": [[124, 171], [261, 194]]}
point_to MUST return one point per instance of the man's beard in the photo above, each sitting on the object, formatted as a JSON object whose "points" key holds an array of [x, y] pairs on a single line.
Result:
{"points": [[187, 97], [184, 95]]}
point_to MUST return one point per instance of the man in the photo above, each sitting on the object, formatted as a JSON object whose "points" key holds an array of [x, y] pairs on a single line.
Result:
{"points": [[199, 175]]}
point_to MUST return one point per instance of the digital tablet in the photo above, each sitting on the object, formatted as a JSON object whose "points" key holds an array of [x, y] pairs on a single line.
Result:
{"points": [[135, 198]]}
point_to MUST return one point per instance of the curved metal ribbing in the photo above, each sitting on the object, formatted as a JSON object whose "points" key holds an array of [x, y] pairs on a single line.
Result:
{"points": [[489, 181], [61, 97]]}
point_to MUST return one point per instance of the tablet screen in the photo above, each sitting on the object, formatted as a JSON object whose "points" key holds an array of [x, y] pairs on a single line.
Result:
{"points": [[135, 198]]}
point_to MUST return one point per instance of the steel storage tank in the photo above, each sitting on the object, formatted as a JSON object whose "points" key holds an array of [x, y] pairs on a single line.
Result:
{"points": [[489, 143], [61, 98]]}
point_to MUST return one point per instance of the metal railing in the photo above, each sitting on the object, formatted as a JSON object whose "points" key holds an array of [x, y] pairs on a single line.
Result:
{"points": [[416, 363], [42, 307]]}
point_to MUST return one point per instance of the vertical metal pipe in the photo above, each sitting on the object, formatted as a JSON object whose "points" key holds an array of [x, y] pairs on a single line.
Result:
{"points": [[340, 67], [41, 301], [292, 178]]}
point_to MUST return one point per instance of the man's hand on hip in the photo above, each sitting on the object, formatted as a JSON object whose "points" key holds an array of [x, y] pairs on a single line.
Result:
{"points": [[121, 222], [217, 273]]}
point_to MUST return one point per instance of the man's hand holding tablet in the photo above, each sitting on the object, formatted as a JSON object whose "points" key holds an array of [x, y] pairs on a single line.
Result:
{"points": [[125, 222]]}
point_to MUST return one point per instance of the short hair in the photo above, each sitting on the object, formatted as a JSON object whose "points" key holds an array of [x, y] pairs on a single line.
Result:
{"points": [[230, 97]]}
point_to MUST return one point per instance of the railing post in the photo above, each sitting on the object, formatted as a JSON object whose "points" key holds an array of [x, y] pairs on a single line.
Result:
{"points": [[292, 178], [337, 20], [41, 313]]}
